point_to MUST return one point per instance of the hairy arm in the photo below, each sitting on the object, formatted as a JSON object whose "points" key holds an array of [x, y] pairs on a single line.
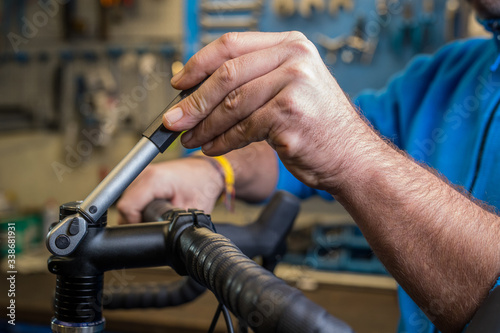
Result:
{"points": [[442, 247]]}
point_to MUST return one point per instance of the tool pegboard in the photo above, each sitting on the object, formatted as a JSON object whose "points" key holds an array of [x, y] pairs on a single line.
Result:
{"points": [[363, 42]]}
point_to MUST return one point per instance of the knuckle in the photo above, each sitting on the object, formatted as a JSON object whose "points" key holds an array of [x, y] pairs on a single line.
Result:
{"points": [[240, 131], [202, 132], [285, 103], [196, 103], [232, 100], [303, 47], [227, 72], [122, 206], [225, 140], [229, 40], [301, 71], [194, 61], [294, 35], [234, 138]]}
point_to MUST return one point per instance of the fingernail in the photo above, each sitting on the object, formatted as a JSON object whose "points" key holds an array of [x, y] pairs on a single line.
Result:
{"points": [[207, 146], [186, 137], [177, 77], [173, 116]]}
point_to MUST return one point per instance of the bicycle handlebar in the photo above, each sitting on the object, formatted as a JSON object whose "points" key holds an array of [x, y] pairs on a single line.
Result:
{"points": [[257, 297], [261, 238], [266, 237]]}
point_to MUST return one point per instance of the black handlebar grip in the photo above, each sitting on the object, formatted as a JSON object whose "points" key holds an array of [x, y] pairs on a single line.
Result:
{"points": [[158, 210], [155, 295], [257, 297], [268, 233]]}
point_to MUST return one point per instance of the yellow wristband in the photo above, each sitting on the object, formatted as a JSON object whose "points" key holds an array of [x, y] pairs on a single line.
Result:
{"points": [[227, 172]]}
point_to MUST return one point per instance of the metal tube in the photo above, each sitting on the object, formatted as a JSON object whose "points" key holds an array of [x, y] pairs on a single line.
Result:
{"points": [[103, 196]]}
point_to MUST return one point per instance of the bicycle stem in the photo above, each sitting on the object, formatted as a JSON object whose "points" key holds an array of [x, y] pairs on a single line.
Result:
{"points": [[79, 287]]}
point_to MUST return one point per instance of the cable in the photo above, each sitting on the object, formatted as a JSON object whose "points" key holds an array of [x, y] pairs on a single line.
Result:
{"points": [[227, 318], [215, 319]]}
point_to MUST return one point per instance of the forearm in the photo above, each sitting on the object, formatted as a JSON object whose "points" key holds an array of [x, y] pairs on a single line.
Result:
{"points": [[440, 246], [256, 171]]}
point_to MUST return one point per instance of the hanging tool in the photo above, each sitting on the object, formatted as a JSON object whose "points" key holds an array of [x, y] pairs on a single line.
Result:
{"points": [[13, 9], [359, 43], [307, 6], [43, 90], [350, 46], [426, 23], [336, 5], [381, 8], [332, 46], [229, 22], [452, 20], [230, 6], [408, 30], [284, 7]]}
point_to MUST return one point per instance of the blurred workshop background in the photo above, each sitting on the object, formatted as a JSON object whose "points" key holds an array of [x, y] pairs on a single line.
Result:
{"points": [[81, 79]]}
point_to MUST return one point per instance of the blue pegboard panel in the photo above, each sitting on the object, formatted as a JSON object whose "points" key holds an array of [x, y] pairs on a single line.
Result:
{"points": [[408, 27], [338, 248]]}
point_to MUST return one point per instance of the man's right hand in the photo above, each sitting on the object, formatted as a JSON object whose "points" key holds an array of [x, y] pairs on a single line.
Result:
{"points": [[187, 183]]}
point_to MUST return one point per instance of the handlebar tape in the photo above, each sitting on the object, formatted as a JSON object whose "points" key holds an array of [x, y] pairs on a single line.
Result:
{"points": [[155, 295], [263, 237], [257, 297]]}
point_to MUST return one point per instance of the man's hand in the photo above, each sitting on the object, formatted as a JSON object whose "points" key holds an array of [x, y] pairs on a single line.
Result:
{"points": [[267, 86], [187, 183]]}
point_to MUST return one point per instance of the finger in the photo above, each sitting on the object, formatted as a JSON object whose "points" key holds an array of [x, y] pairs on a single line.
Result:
{"points": [[236, 106], [229, 46], [254, 128], [140, 193], [132, 203], [232, 74]]}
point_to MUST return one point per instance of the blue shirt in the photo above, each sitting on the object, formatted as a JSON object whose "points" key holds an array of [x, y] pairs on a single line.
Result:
{"points": [[444, 111]]}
